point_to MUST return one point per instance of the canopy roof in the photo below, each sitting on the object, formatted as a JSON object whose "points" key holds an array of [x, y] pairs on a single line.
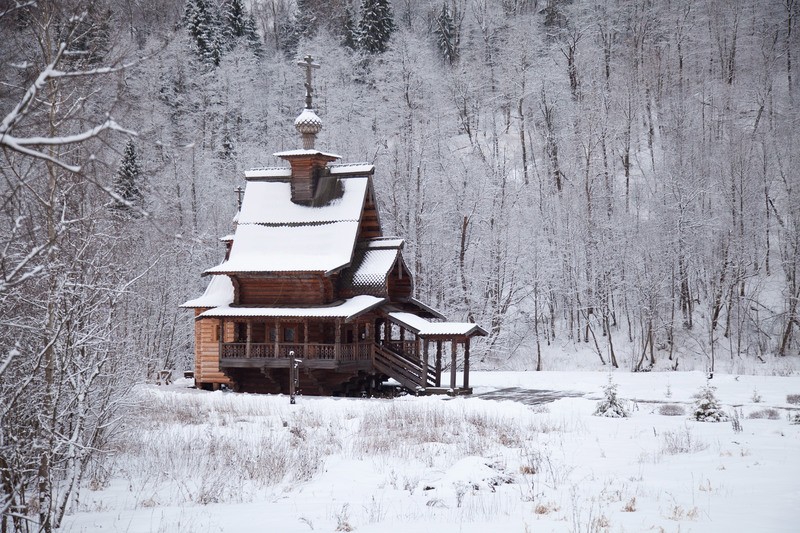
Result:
{"points": [[425, 328]]}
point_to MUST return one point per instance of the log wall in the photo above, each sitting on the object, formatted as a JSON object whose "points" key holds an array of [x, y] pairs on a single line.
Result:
{"points": [[206, 352]]}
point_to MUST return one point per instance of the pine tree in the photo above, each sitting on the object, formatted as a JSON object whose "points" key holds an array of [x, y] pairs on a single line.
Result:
{"points": [[235, 21], [199, 20], [349, 31], [611, 406], [252, 36], [446, 36], [707, 407], [302, 24], [126, 183], [376, 26]]}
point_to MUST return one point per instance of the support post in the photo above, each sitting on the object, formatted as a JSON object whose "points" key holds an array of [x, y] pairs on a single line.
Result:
{"points": [[425, 359], [249, 339], [338, 339], [305, 338], [277, 336], [438, 363], [454, 351], [466, 363]]}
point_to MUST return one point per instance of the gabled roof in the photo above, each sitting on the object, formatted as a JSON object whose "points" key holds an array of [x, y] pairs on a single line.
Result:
{"points": [[219, 292], [270, 202], [372, 262], [346, 309], [275, 234], [425, 328], [308, 248]]}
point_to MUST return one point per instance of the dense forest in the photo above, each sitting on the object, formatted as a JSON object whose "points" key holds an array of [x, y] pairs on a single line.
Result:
{"points": [[616, 174]]}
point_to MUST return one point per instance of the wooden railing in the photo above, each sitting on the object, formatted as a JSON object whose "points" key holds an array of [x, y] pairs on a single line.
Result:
{"points": [[347, 352], [402, 367]]}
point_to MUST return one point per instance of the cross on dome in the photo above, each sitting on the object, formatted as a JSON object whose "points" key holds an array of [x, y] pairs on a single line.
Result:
{"points": [[308, 124], [308, 64]]}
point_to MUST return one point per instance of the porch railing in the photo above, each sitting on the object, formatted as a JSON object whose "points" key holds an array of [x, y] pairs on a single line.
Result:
{"points": [[347, 352]]}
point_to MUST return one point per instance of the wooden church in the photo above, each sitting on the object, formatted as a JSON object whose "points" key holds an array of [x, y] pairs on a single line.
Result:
{"points": [[309, 278]]}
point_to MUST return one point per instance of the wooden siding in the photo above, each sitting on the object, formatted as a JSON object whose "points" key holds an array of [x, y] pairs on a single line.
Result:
{"points": [[370, 226], [401, 285], [206, 351], [291, 289]]}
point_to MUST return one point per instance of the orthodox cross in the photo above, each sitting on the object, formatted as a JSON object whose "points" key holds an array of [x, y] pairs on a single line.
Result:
{"points": [[239, 192], [308, 64]]}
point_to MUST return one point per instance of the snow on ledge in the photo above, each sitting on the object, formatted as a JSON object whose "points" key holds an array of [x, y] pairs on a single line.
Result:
{"points": [[268, 172], [351, 168], [302, 152]]}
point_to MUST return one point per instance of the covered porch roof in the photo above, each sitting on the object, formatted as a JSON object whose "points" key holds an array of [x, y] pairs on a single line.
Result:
{"points": [[424, 328], [347, 309]]}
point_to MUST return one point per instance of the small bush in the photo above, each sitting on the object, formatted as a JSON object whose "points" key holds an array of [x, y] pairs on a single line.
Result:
{"points": [[672, 409], [675, 442], [611, 406], [707, 407], [793, 399], [795, 419], [756, 396], [769, 414]]}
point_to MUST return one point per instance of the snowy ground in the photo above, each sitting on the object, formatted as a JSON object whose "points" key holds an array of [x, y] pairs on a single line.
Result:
{"points": [[200, 461]]}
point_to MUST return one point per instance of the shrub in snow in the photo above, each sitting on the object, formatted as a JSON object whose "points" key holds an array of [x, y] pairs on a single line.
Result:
{"points": [[671, 409], [796, 418], [611, 406], [769, 414], [707, 407], [793, 398]]}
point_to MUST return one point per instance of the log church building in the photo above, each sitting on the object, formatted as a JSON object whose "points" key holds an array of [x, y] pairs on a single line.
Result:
{"points": [[309, 279]]}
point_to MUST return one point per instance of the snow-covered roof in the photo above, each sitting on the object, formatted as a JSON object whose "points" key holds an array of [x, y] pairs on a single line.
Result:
{"points": [[304, 152], [374, 267], [351, 168], [347, 309], [270, 202], [227, 238], [218, 293], [425, 328], [268, 172], [322, 247], [385, 242]]}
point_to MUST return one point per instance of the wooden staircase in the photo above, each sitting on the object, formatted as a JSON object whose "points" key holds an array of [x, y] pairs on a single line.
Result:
{"points": [[408, 371]]}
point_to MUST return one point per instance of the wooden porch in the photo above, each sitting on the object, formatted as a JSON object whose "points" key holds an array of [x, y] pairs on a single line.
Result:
{"points": [[278, 355], [377, 344]]}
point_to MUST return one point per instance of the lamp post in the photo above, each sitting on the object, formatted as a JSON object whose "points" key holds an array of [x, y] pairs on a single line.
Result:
{"points": [[294, 376]]}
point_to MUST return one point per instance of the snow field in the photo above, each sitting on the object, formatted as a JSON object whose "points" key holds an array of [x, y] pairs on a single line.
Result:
{"points": [[191, 460]]}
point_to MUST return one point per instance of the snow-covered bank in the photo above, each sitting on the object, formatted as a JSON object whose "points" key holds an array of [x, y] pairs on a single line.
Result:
{"points": [[201, 461]]}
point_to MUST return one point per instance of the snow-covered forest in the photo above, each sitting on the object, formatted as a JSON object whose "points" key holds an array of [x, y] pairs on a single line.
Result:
{"points": [[614, 180]]}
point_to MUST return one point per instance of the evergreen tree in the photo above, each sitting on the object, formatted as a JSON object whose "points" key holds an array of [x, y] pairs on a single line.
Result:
{"points": [[199, 20], [252, 36], [611, 406], [126, 183], [235, 22], [376, 26], [349, 31], [706, 406], [302, 24], [446, 35]]}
